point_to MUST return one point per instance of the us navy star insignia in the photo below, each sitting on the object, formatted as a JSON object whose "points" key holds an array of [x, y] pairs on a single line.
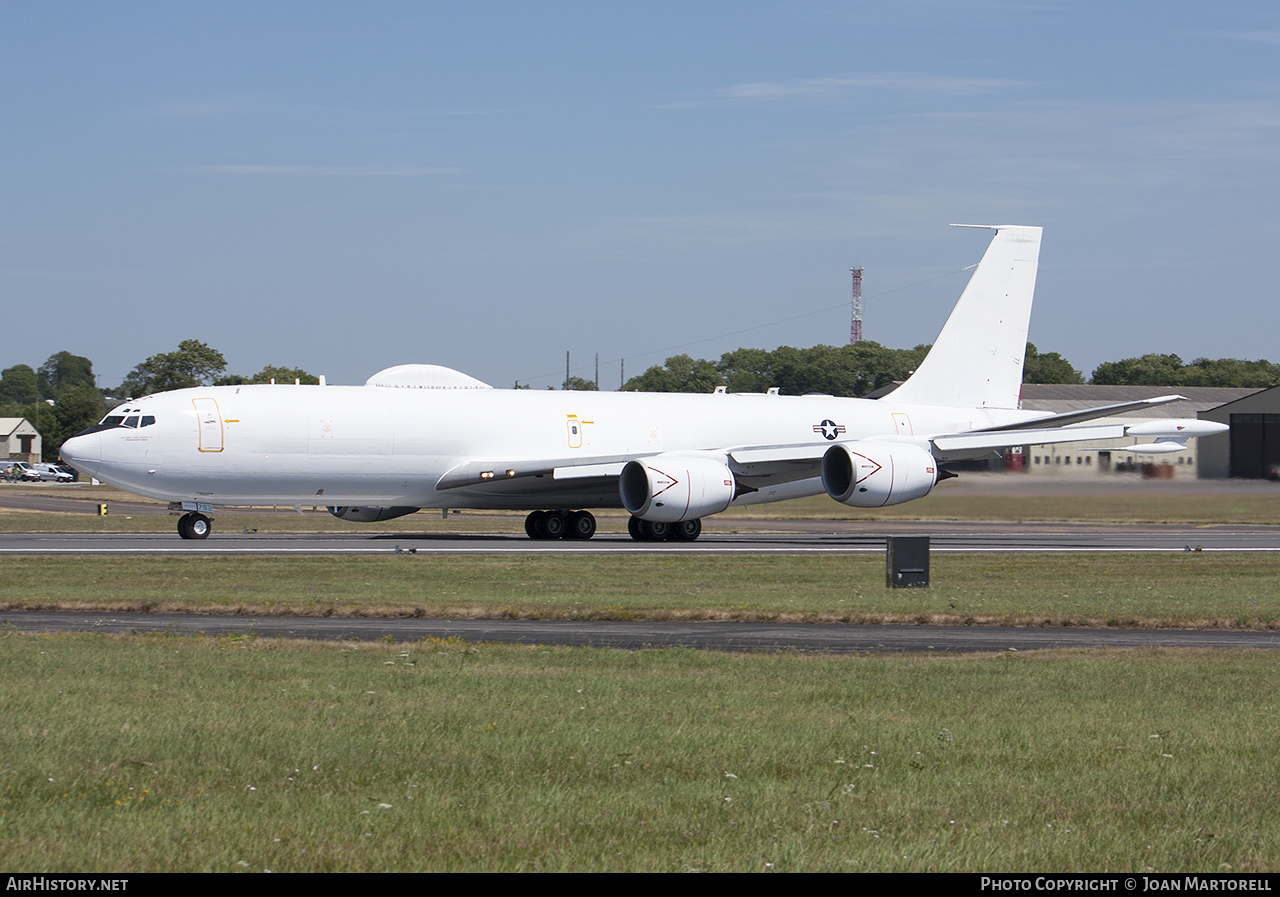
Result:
{"points": [[829, 429]]}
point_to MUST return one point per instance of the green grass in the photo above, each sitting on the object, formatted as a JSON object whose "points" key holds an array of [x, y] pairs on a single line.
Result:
{"points": [[187, 754], [1168, 590], [167, 753]]}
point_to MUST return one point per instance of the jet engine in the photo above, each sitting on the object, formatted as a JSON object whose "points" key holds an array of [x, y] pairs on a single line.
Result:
{"points": [[367, 514], [872, 474], [671, 488]]}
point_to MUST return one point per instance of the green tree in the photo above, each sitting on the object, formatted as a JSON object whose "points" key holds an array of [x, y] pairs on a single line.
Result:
{"points": [[1235, 372], [581, 384], [1168, 370], [77, 407], [681, 373], [269, 374], [19, 385], [747, 370], [1048, 367], [191, 364], [1149, 370], [63, 371]]}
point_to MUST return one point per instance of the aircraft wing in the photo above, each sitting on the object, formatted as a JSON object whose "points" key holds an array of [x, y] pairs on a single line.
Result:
{"points": [[753, 467], [1075, 417]]}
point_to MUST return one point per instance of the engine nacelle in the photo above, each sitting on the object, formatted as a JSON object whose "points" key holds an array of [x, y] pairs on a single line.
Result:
{"points": [[876, 474], [366, 514], [671, 488]]}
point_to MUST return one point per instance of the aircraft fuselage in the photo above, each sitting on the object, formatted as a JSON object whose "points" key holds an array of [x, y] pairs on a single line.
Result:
{"points": [[343, 445]]}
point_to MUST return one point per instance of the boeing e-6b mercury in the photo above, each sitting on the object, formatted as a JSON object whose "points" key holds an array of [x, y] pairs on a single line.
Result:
{"points": [[423, 436]]}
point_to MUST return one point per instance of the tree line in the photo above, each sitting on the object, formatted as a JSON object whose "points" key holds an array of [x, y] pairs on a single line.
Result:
{"points": [[863, 368]]}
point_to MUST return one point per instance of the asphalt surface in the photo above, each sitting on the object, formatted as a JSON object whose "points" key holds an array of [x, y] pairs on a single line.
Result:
{"points": [[832, 638], [807, 537]]}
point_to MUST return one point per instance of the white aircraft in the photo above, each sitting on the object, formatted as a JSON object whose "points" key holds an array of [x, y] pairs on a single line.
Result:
{"points": [[423, 436]]}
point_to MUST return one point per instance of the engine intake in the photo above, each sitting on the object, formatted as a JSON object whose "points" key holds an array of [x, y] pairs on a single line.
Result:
{"points": [[671, 488], [873, 475]]}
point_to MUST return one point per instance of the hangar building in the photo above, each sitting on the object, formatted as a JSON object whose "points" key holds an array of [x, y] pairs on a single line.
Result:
{"points": [[1252, 447]]}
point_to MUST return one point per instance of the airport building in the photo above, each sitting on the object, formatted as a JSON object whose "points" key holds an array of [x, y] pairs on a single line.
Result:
{"points": [[1252, 447], [19, 440], [1210, 457]]}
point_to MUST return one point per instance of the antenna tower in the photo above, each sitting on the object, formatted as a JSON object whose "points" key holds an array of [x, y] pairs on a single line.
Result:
{"points": [[855, 329]]}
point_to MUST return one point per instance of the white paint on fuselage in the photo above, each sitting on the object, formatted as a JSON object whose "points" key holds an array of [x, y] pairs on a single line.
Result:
{"points": [[366, 445]]}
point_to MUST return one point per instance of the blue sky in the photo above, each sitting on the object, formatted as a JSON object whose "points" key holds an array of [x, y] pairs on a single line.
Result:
{"points": [[342, 187]]}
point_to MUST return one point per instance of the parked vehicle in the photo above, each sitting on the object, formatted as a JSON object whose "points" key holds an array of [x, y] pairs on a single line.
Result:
{"points": [[52, 473], [25, 472]]}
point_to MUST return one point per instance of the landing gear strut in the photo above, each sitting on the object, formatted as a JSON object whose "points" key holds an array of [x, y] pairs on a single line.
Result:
{"points": [[577, 525], [194, 526]]}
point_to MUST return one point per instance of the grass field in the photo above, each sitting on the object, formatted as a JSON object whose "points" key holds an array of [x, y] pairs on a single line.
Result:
{"points": [[167, 753], [190, 754], [1184, 589]]}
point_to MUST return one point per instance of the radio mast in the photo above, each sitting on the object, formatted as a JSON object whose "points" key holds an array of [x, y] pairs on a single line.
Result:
{"points": [[855, 329]]}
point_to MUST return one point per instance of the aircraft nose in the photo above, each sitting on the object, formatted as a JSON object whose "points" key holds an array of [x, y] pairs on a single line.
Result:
{"points": [[83, 452]]}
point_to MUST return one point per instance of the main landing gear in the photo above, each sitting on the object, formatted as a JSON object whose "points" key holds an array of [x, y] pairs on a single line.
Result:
{"points": [[560, 525], [653, 531], [194, 526], [582, 525]]}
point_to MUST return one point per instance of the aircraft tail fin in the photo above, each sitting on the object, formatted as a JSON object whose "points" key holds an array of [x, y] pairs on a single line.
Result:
{"points": [[977, 360]]}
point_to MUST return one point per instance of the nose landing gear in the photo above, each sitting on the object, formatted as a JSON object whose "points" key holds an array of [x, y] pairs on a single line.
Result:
{"points": [[194, 526]]}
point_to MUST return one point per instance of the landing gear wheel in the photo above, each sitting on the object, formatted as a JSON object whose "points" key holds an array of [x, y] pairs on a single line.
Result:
{"points": [[582, 525], [532, 524], [648, 530], [194, 526], [686, 530], [554, 525]]}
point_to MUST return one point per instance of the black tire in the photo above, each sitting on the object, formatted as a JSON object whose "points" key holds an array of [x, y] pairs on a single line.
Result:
{"points": [[554, 525], [531, 524], [654, 530], [686, 530], [633, 527], [582, 526], [194, 526]]}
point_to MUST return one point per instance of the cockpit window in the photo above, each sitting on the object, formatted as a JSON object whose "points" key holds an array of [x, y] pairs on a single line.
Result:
{"points": [[128, 418]]}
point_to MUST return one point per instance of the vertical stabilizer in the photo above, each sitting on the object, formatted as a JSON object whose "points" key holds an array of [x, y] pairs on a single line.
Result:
{"points": [[976, 361]]}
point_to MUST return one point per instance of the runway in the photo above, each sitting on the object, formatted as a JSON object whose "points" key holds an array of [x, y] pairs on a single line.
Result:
{"points": [[835, 638], [859, 538], [811, 537]]}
